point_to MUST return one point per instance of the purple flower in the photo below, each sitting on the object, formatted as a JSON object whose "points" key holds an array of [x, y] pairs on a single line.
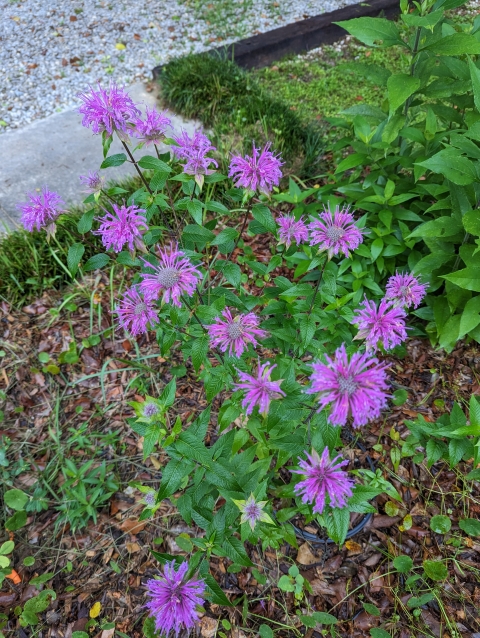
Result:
{"points": [[405, 290], [93, 182], [336, 233], [236, 333], [150, 498], [259, 390], [174, 599], [194, 149], [385, 324], [252, 511], [357, 387], [42, 210], [108, 110], [135, 313], [323, 477], [261, 170], [291, 229], [173, 276], [123, 226], [150, 409], [153, 128]]}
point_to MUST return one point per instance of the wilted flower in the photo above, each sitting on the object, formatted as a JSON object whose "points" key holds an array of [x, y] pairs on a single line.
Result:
{"points": [[259, 390], [194, 150], [290, 229], [405, 290], [41, 211], [252, 511], [173, 276], [135, 313], [357, 387], [152, 129], [174, 599], [235, 333], [260, 171], [385, 324], [323, 477], [93, 182], [335, 232], [123, 226], [108, 110]]}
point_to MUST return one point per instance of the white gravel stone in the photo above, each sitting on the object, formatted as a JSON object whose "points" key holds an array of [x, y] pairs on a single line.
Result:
{"points": [[50, 50]]}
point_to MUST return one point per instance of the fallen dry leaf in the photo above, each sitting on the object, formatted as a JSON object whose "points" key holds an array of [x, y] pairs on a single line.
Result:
{"points": [[132, 547], [208, 627], [305, 556]]}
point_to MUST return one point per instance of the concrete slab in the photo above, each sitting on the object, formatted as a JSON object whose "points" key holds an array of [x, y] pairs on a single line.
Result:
{"points": [[55, 151]]}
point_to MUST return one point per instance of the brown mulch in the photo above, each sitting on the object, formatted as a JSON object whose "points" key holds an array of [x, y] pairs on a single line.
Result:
{"points": [[109, 561]]}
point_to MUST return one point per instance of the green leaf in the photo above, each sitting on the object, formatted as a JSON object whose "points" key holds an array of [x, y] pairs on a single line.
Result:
{"points": [[457, 448], [85, 222], [373, 31], [232, 273], [172, 477], [307, 329], [114, 160], [337, 524], [475, 76], [403, 564], [97, 261], [75, 253], [264, 217], [377, 632], [452, 165], [196, 211], [197, 234], [371, 609], [4, 562], [265, 631], [440, 524], [235, 550], [400, 87], [216, 207], [471, 222], [392, 128], [456, 44], [216, 594], [7, 547], [439, 228], [324, 619], [225, 240], [399, 397], [435, 450], [199, 351], [435, 570], [428, 21], [15, 499], [466, 278], [470, 526], [376, 248], [352, 161], [154, 164]]}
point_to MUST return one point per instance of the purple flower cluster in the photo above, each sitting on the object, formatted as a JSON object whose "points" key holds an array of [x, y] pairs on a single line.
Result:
{"points": [[152, 129], [123, 226], [174, 599], [323, 478], [108, 110], [194, 150], [291, 229], [135, 314], [405, 290], [336, 232], [260, 171], [355, 387], [41, 211], [93, 182], [259, 390], [383, 325], [235, 333], [172, 277]]}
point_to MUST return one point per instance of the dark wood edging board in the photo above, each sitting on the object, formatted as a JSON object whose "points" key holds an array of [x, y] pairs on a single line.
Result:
{"points": [[263, 49]]}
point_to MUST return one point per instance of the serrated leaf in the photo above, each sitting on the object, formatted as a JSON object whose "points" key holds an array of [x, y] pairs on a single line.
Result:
{"points": [[154, 164], [216, 593], [97, 261], [199, 351], [75, 254], [263, 216], [114, 160]]}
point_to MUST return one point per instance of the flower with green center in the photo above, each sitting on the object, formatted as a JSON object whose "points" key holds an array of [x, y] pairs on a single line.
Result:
{"points": [[252, 511]]}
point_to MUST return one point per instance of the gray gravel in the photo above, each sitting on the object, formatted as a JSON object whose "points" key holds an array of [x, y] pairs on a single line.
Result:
{"points": [[52, 49]]}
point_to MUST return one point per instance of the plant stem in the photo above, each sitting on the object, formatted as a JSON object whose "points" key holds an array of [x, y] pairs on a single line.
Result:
{"points": [[317, 286], [413, 64]]}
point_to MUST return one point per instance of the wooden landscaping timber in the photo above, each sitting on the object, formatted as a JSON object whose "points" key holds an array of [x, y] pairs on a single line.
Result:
{"points": [[263, 49]]}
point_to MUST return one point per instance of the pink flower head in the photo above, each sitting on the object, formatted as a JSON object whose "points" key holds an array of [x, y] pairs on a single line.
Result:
{"points": [[194, 149], [336, 233], [291, 229], [261, 170], [252, 511], [405, 290], [93, 182], [152, 129], [108, 110], [385, 324], [259, 390], [42, 210], [236, 333], [135, 313], [174, 599], [123, 226], [173, 276], [323, 477], [357, 387]]}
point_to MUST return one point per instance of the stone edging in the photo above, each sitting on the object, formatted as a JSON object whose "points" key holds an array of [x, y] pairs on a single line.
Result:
{"points": [[263, 49]]}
